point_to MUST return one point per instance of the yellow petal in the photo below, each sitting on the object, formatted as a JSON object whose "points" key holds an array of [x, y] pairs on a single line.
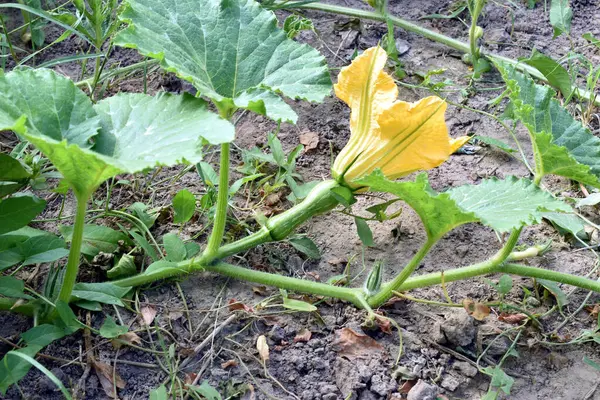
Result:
{"points": [[459, 142], [368, 91]]}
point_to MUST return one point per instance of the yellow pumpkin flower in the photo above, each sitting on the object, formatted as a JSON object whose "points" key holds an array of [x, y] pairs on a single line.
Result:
{"points": [[386, 133]]}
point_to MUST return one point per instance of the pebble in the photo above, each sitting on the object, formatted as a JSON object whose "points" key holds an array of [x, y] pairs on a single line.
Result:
{"points": [[459, 328], [465, 368], [450, 383], [423, 391]]}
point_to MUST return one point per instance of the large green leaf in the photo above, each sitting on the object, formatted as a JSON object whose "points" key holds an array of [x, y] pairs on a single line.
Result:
{"points": [[52, 105], [438, 211], [562, 144], [560, 16], [30, 246], [556, 75], [500, 204], [229, 49], [132, 132], [506, 204]]}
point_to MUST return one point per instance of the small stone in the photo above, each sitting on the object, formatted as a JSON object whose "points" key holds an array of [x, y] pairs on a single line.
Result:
{"points": [[496, 347], [423, 391], [402, 46], [330, 396], [277, 334], [382, 385], [465, 368], [459, 328], [450, 383], [532, 302], [327, 388], [436, 333]]}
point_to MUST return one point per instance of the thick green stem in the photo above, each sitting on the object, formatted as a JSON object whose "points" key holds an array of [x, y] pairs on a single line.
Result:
{"points": [[388, 288], [75, 250], [437, 37], [216, 236], [285, 282]]}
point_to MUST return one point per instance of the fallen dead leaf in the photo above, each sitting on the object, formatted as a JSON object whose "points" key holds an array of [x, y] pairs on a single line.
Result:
{"points": [[129, 338], [593, 310], [235, 305], [310, 140], [314, 275], [273, 199], [263, 348], [406, 386], [384, 324], [259, 290], [229, 363], [303, 336], [512, 318], [189, 378], [105, 376], [353, 345], [475, 309], [148, 314]]}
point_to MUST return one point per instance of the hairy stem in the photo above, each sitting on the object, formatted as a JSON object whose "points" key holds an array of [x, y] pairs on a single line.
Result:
{"points": [[216, 236], [75, 250]]}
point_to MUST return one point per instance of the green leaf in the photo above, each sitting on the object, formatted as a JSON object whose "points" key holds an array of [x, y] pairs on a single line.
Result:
{"points": [[227, 49], [139, 210], [17, 211], [505, 284], [438, 211], [11, 169], [590, 38], [591, 200], [174, 247], [206, 391], [105, 292], [43, 335], [506, 204], [591, 363], [306, 246], [556, 75], [42, 249], [364, 232], [124, 267], [131, 132], [267, 103], [298, 305], [12, 287], [96, 239], [111, 330], [67, 319], [343, 195], [294, 24], [191, 249], [560, 17], [88, 305], [184, 205], [572, 223], [500, 204], [141, 241], [555, 290], [12, 368], [164, 267], [563, 145], [51, 104], [160, 393], [500, 379]]}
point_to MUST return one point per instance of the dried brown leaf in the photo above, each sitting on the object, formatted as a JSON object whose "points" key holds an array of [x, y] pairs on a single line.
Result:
{"points": [[512, 318], [310, 140], [353, 345], [475, 309], [148, 315], [263, 348], [303, 336], [129, 337], [105, 376], [229, 363], [235, 305]]}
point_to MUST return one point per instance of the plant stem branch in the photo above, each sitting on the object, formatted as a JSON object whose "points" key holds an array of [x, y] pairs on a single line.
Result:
{"points": [[75, 250], [216, 236], [437, 37]]}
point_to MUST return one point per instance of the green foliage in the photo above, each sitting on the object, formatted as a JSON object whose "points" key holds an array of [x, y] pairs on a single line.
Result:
{"points": [[562, 145], [256, 62], [104, 292], [96, 239], [30, 246], [556, 75], [184, 205], [12, 287], [111, 330], [364, 232], [131, 132], [174, 247], [306, 246], [18, 210], [124, 267], [560, 17], [294, 24], [500, 204]]}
